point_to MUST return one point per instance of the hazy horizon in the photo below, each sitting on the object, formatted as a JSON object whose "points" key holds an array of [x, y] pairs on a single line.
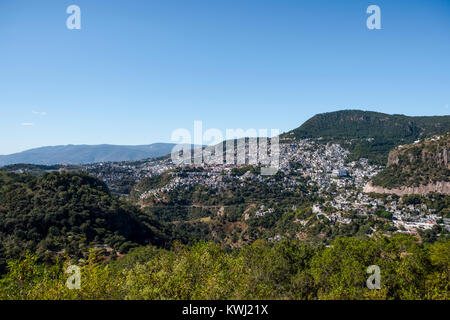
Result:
{"points": [[159, 142]]}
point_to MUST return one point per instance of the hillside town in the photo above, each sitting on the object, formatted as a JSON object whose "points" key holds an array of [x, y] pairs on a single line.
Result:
{"points": [[324, 166]]}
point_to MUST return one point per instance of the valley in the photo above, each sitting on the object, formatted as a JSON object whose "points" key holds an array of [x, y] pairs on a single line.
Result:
{"points": [[134, 215]]}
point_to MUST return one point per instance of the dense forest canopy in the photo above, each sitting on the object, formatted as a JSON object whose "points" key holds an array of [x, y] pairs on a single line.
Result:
{"points": [[68, 212]]}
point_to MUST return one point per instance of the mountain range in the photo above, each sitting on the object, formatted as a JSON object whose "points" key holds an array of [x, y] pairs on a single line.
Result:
{"points": [[81, 154], [365, 134]]}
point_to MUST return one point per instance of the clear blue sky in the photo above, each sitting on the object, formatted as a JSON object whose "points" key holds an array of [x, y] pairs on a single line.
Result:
{"points": [[137, 70]]}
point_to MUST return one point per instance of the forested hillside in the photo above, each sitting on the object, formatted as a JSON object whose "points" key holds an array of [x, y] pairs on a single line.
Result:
{"points": [[68, 213], [369, 134], [416, 164]]}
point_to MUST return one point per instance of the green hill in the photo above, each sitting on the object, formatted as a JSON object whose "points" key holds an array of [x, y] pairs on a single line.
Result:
{"points": [[369, 134], [68, 212], [417, 164]]}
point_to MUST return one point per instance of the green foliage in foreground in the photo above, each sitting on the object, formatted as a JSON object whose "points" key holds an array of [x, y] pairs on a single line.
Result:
{"points": [[284, 270]]}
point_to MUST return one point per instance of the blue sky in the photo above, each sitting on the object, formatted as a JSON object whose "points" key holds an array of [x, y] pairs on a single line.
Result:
{"points": [[137, 70]]}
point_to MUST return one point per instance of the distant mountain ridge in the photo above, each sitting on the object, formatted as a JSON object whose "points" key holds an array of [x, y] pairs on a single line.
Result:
{"points": [[373, 134], [365, 134], [82, 154]]}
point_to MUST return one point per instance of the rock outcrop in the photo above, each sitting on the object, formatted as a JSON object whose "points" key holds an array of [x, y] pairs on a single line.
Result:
{"points": [[438, 187], [418, 168]]}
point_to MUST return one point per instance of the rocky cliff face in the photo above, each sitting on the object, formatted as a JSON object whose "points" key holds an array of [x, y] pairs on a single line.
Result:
{"points": [[428, 151], [438, 187], [419, 168]]}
